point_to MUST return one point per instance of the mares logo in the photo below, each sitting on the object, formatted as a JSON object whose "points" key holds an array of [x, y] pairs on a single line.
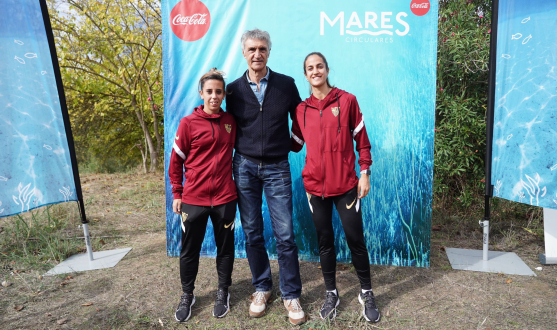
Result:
{"points": [[368, 23], [420, 7], [190, 20]]}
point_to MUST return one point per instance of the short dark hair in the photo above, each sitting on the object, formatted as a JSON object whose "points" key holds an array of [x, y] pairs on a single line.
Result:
{"points": [[213, 74], [324, 60]]}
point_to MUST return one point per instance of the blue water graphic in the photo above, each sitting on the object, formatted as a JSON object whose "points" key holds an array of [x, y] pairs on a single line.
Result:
{"points": [[35, 165], [393, 78], [525, 134]]}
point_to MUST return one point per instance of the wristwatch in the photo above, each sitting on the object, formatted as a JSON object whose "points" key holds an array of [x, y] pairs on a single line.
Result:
{"points": [[367, 172]]}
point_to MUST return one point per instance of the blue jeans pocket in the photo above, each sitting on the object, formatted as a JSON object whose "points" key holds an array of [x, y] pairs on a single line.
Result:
{"points": [[239, 169], [238, 160], [286, 178]]}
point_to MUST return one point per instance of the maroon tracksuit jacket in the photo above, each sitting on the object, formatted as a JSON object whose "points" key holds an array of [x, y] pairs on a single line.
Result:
{"points": [[327, 127], [203, 146]]}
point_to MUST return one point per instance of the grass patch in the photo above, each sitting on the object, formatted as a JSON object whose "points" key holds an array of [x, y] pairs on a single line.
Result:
{"points": [[144, 287], [511, 223], [41, 238]]}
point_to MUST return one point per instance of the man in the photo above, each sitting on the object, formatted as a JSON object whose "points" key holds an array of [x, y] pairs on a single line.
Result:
{"points": [[260, 101]]}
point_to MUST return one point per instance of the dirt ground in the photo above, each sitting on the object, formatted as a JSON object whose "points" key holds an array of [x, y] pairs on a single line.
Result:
{"points": [[143, 290]]}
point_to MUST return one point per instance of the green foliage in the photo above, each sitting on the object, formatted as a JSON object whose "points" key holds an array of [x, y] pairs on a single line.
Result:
{"points": [[110, 55], [462, 86]]}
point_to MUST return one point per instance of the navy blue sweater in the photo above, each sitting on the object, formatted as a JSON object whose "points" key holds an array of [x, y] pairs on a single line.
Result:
{"points": [[262, 133]]}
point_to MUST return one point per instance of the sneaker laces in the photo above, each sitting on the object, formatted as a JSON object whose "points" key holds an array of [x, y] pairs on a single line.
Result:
{"points": [[258, 297], [369, 300], [294, 304], [330, 301], [221, 297], [185, 300]]}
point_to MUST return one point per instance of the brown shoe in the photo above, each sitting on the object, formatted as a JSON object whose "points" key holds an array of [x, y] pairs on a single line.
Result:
{"points": [[296, 314], [259, 301]]}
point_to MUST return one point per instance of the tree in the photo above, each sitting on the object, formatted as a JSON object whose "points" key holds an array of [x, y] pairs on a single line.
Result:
{"points": [[110, 55]]}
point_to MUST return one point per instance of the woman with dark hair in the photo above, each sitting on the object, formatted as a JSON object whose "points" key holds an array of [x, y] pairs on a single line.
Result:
{"points": [[328, 122], [203, 146]]}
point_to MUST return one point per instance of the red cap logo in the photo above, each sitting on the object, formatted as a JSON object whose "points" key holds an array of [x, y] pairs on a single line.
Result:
{"points": [[420, 7], [190, 20]]}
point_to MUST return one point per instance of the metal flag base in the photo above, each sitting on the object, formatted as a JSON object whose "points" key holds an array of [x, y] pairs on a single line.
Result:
{"points": [[487, 261], [81, 262], [90, 260], [498, 262]]}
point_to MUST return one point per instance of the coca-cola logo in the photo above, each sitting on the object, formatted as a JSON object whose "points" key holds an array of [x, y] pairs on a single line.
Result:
{"points": [[420, 7], [195, 19], [190, 20]]}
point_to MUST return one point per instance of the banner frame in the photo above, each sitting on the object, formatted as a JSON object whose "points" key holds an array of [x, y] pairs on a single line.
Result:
{"points": [[63, 108]]}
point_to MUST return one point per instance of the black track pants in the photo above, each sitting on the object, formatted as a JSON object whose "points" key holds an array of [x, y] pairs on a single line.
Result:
{"points": [[194, 223], [348, 208]]}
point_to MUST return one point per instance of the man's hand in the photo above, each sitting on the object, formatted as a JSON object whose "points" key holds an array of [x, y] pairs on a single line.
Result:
{"points": [[363, 186], [177, 206]]}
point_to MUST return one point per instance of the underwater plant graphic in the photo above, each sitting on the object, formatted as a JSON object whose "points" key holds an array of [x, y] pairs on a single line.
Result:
{"points": [[25, 194], [498, 187], [521, 196], [533, 188], [66, 191]]}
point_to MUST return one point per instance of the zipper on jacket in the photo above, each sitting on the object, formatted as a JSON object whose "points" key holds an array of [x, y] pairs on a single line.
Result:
{"points": [[322, 153], [260, 107], [261, 111], [215, 159], [212, 176]]}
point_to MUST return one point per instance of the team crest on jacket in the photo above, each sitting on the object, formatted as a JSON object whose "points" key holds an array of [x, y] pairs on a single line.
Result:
{"points": [[335, 111], [228, 127]]}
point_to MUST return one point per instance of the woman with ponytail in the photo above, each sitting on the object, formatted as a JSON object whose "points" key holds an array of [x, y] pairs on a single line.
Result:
{"points": [[329, 122]]}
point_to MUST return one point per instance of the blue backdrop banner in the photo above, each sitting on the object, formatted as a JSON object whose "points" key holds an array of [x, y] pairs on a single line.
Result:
{"points": [[525, 119], [384, 52], [35, 166]]}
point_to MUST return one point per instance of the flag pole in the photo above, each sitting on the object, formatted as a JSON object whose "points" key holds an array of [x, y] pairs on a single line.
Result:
{"points": [[489, 125], [67, 126]]}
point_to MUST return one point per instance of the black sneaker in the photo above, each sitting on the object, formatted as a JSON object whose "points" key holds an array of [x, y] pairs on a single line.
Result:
{"points": [[370, 310], [329, 308], [222, 303], [183, 312]]}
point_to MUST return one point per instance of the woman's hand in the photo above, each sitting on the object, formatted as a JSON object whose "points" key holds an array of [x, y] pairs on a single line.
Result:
{"points": [[177, 206], [363, 186]]}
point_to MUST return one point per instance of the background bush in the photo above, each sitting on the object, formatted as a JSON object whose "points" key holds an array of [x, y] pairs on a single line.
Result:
{"points": [[462, 84]]}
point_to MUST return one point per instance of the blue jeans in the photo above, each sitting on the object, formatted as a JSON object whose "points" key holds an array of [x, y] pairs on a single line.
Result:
{"points": [[275, 181]]}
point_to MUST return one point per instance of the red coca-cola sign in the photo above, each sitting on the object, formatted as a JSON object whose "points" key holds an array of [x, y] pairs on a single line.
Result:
{"points": [[190, 20], [420, 7]]}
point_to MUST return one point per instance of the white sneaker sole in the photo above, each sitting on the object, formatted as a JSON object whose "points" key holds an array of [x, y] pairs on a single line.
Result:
{"points": [[364, 310], [334, 310], [187, 318], [254, 314], [227, 307]]}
